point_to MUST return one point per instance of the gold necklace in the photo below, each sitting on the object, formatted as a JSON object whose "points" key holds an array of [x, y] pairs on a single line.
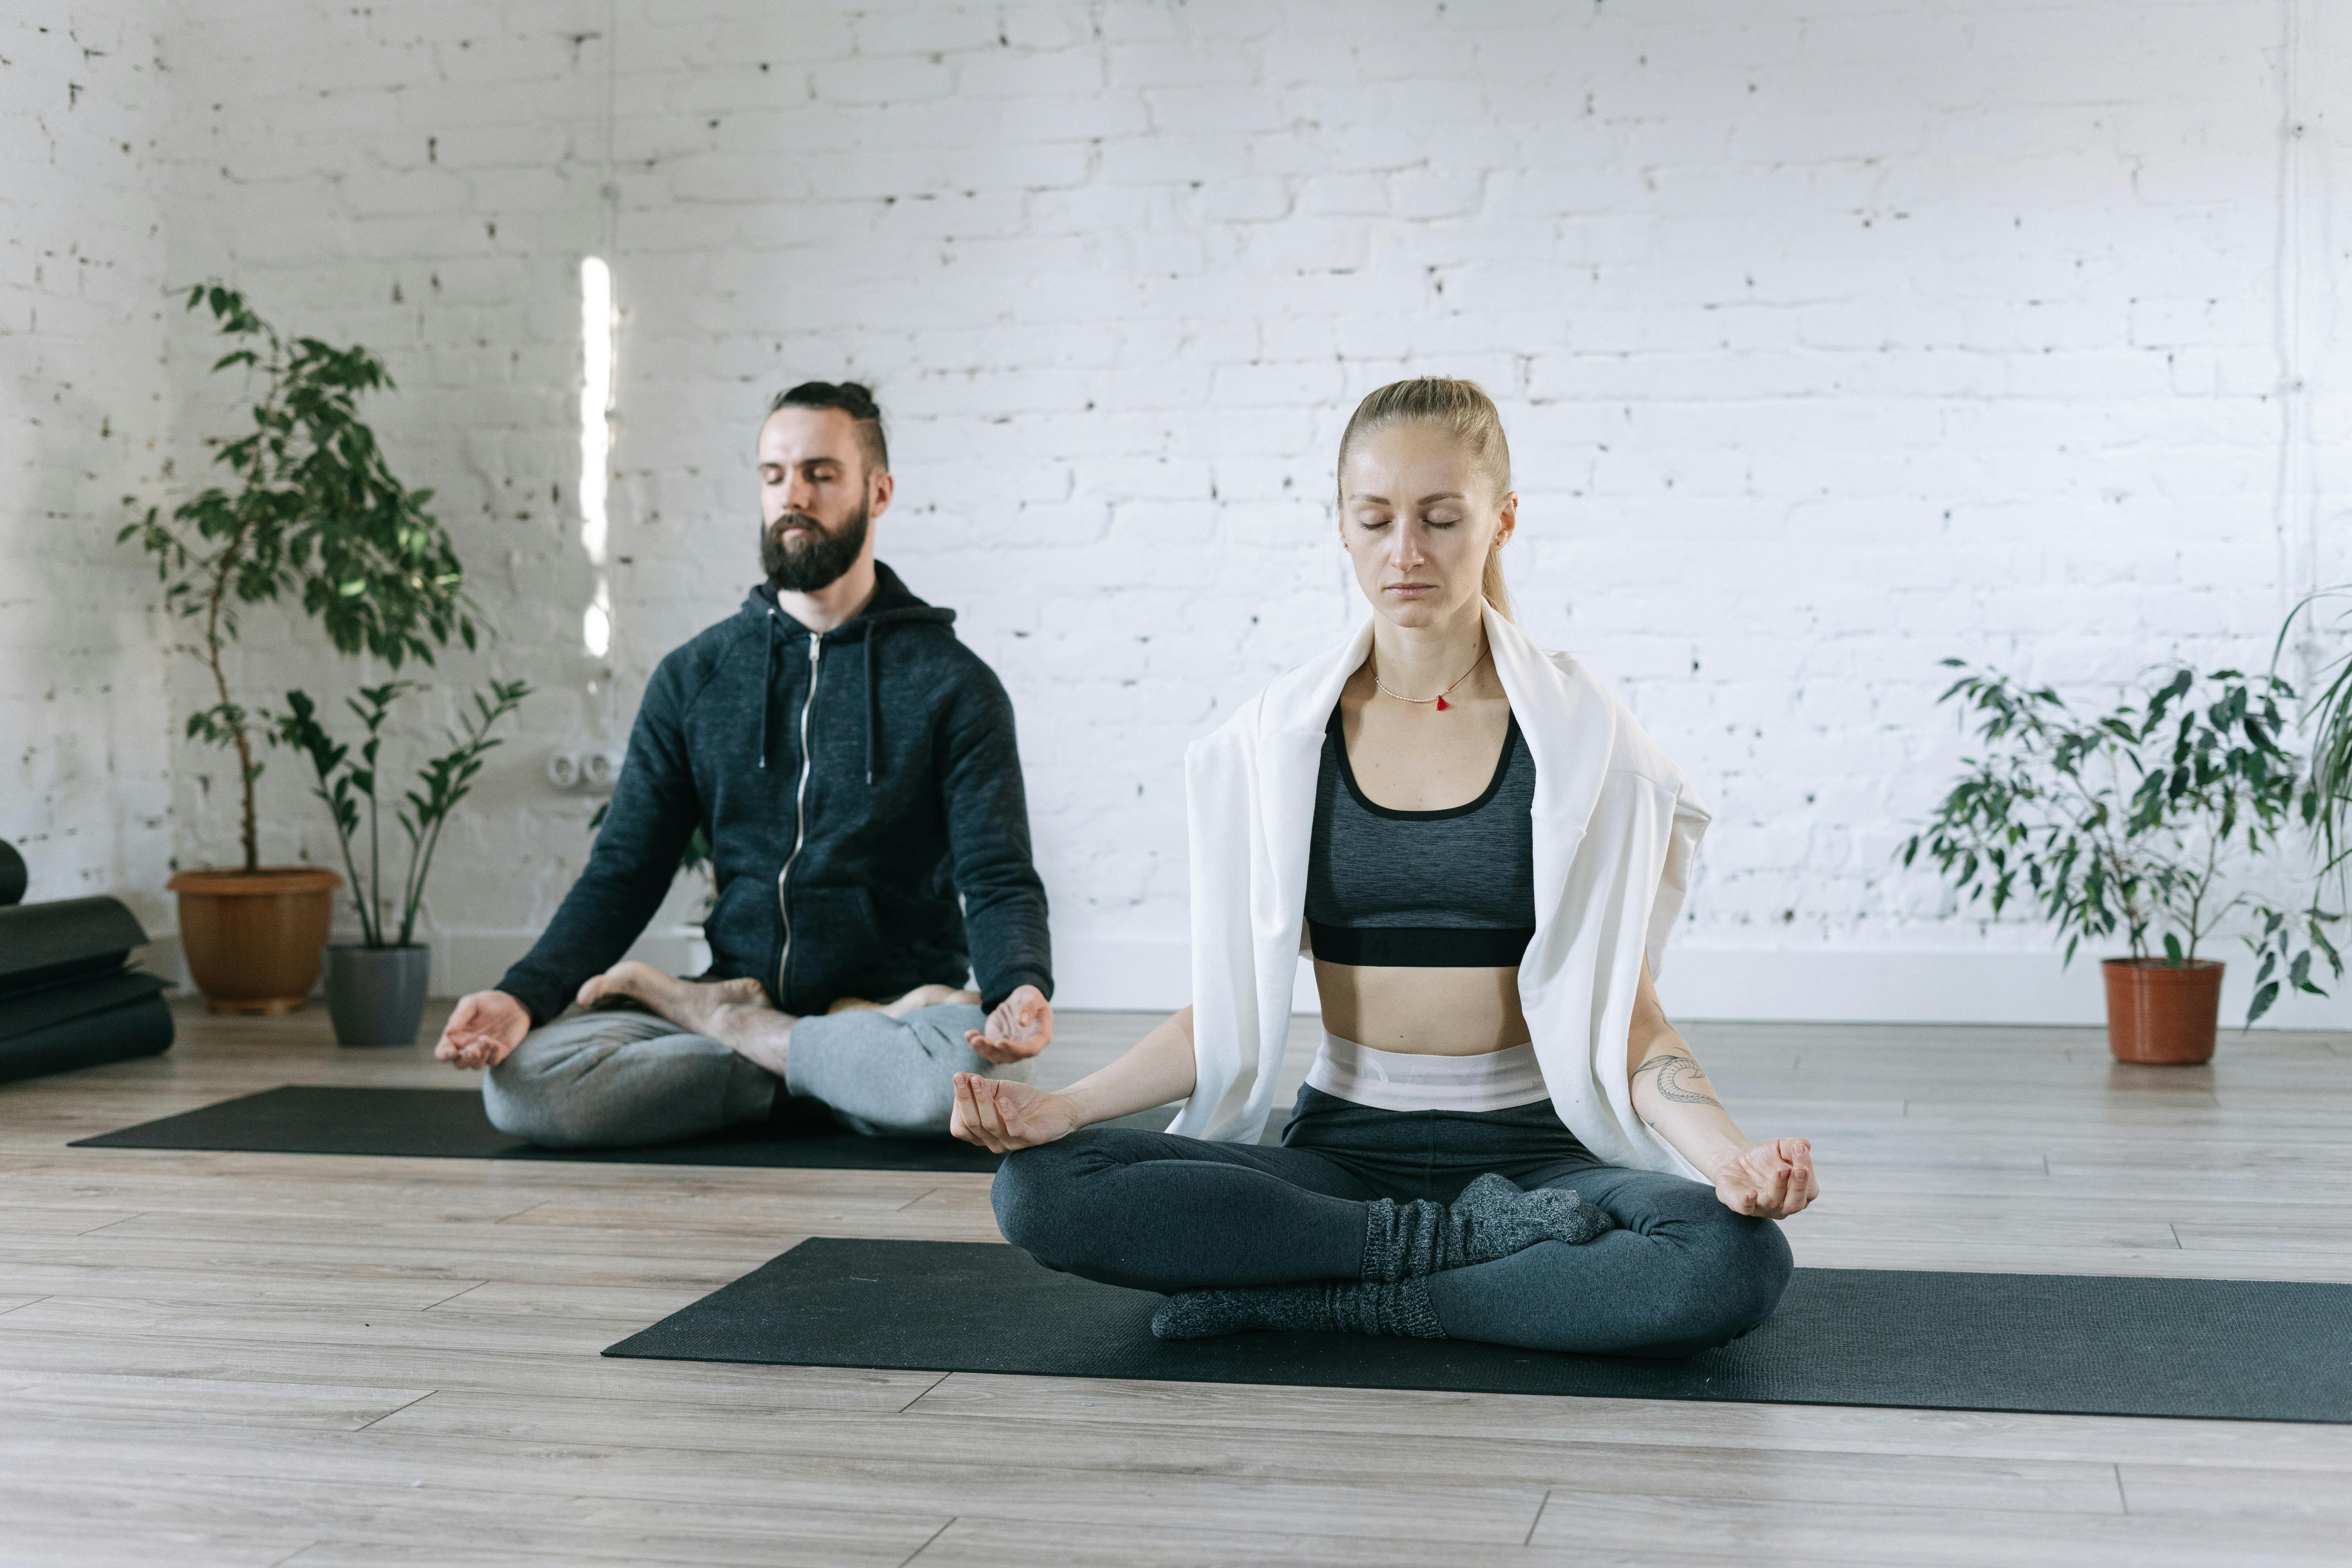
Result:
{"points": [[1440, 699]]}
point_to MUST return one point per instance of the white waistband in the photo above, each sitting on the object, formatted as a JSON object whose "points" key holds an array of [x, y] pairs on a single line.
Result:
{"points": [[1397, 1080]]}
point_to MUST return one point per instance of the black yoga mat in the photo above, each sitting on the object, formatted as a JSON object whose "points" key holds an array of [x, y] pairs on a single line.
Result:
{"points": [[139, 1027], [450, 1123], [2073, 1344]]}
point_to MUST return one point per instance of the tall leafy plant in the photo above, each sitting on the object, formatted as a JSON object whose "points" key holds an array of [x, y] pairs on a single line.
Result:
{"points": [[2331, 727], [2137, 821], [345, 781], [310, 511]]}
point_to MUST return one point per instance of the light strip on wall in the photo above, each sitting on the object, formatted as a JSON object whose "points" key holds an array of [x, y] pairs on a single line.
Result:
{"points": [[595, 443]]}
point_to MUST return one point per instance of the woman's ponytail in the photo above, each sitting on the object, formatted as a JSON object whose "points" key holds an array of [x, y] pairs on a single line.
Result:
{"points": [[1491, 583]]}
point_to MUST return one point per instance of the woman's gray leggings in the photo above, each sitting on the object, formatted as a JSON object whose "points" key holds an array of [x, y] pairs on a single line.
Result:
{"points": [[1680, 1274], [606, 1081]]}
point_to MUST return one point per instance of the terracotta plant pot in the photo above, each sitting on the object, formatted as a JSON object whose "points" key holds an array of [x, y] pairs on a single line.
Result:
{"points": [[2159, 1014], [253, 937]]}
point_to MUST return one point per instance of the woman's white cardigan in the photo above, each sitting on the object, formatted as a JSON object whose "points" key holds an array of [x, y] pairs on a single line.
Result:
{"points": [[1616, 828]]}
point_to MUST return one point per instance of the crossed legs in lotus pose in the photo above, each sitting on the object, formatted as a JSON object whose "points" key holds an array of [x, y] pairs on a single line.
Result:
{"points": [[736, 1013], [655, 1059]]}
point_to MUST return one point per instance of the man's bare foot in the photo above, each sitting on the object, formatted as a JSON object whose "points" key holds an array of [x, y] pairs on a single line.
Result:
{"points": [[688, 1004], [920, 997], [932, 997], [735, 1013]]}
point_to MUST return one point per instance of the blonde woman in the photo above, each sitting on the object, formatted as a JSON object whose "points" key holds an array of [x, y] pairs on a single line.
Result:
{"points": [[1502, 1138]]}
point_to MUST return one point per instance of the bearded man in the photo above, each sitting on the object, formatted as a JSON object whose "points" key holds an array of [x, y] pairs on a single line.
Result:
{"points": [[853, 766]]}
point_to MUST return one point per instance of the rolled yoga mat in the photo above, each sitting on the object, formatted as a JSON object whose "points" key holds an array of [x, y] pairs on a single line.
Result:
{"points": [[140, 1028], [450, 1123], [26, 1011], [2071, 1344], [71, 939], [66, 999]]}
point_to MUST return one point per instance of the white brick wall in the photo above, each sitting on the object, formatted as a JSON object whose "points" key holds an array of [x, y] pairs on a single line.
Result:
{"points": [[84, 732], [1835, 338]]}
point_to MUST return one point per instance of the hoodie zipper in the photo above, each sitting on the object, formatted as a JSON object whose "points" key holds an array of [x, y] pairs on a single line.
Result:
{"points": [[800, 812]]}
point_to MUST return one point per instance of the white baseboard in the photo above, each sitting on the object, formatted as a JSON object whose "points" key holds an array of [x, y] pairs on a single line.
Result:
{"points": [[1700, 984], [1814, 986]]}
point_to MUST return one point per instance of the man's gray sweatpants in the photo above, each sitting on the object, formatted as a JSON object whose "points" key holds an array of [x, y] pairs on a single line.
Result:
{"points": [[600, 1080]]}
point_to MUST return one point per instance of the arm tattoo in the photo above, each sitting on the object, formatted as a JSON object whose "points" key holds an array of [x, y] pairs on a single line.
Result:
{"points": [[1672, 1070]]}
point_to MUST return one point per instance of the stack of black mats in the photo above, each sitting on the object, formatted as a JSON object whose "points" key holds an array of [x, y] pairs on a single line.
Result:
{"points": [[67, 996]]}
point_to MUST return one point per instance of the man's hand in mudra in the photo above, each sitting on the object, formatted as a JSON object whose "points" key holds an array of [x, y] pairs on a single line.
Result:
{"points": [[483, 1030], [1021, 1026], [1000, 1116], [1773, 1179]]}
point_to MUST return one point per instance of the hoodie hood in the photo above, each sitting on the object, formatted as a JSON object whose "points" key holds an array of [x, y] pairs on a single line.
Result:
{"points": [[893, 604]]}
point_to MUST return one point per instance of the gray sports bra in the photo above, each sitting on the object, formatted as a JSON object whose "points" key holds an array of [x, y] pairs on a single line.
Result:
{"points": [[1432, 889]]}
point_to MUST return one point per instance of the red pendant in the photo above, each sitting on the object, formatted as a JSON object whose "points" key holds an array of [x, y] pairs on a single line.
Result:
{"points": [[1441, 705]]}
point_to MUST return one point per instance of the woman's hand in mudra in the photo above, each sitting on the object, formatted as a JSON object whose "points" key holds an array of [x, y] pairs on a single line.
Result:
{"points": [[1773, 1179], [1002, 1116]]}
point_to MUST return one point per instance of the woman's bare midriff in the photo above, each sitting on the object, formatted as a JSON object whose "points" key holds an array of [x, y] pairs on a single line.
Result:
{"points": [[1422, 1011]]}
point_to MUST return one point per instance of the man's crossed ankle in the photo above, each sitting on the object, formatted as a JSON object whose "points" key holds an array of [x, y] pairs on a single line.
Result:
{"points": [[737, 1012]]}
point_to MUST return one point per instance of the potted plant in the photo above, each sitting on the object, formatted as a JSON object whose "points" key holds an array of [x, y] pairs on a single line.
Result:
{"points": [[2138, 821], [2331, 746], [375, 988], [313, 513]]}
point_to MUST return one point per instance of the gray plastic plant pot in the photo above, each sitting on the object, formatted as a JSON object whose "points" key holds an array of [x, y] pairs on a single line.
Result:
{"points": [[376, 994]]}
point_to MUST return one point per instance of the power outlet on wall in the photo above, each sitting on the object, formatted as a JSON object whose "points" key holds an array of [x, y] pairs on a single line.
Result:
{"points": [[581, 771]]}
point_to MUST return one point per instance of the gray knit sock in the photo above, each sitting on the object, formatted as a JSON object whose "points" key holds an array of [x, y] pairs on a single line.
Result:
{"points": [[1404, 1241], [1400, 1310], [1497, 1219], [1491, 1219]]}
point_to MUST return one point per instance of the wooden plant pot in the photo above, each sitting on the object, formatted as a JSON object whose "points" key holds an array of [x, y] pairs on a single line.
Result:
{"points": [[253, 937], [2159, 1014]]}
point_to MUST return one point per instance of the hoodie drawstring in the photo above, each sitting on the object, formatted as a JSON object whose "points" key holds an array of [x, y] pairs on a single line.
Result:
{"points": [[873, 708], [768, 690], [872, 698]]}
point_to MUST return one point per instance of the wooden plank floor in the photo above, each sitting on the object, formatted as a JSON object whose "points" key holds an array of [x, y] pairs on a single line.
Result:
{"points": [[244, 1358]]}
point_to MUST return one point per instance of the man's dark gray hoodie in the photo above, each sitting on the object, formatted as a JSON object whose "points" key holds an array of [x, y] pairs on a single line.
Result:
{"points": [[852, 784]]}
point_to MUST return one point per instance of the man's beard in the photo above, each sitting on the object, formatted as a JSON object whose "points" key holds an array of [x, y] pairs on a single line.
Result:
{"points": [[816, 562]]}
